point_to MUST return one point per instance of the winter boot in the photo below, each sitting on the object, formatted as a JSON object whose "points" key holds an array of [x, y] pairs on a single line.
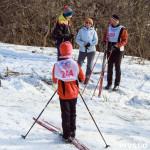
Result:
{"points": [[108, 86], [73, 134], [85, 82], [116, 88], [67, 139]]}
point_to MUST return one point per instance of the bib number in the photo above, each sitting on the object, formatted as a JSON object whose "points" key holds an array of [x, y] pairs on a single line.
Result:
{"points": [[66, 74]]}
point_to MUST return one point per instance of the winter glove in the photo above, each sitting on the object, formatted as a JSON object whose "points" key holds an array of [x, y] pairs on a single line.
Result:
{"points": [[69, 36], [87, 45], [72, 35], [115, 47]]}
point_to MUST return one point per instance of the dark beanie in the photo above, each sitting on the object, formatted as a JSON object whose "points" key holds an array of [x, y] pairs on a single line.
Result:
{"points": [[115, 17], [67, 11]]}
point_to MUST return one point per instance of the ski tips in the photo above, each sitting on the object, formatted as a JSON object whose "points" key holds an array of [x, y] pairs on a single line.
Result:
{"points": [[99, 96]]}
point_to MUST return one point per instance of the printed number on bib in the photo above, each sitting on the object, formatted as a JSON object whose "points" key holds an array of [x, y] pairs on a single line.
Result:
{"points": [[68, 73]]}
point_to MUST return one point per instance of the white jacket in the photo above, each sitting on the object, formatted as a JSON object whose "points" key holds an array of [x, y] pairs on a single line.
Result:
{"points": [[87, 35]]}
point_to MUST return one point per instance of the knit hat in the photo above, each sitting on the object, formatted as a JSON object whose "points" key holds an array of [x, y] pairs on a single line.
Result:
{"points": [[115, 18], [88, 19], [65, 48], [67, 11]]}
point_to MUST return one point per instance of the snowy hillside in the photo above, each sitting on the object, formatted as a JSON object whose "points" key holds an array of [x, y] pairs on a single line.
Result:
{"points": [[123, 117]]}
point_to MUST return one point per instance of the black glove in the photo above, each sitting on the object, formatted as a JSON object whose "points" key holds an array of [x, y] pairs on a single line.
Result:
{"points": [[103, 43], [72, 35], [69, 36], [115, 47], [87, 45]]}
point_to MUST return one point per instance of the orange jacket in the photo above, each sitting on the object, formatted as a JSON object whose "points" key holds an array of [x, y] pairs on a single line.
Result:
{"points": [[124, 38], [70, 89]]}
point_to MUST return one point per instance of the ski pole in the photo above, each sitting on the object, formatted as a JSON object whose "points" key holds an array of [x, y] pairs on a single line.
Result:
{"points": [[101, 75], [24, 136], [90, 73], [106, 49], [94, 121], [100, 87]]}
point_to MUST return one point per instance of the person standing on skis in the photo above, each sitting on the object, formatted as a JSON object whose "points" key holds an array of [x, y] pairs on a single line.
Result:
{"points": [[67, 72], [87, 39], [117, 40], [63, 31]]}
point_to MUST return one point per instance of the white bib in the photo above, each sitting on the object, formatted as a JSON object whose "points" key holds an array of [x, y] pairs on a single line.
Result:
{"points": [[114, 33], [66, 70]]}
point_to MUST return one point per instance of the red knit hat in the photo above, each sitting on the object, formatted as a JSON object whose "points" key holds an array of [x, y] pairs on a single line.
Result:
{"points": [[65, 48]]}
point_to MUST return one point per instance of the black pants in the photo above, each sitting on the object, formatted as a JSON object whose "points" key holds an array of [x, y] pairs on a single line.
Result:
{"points": [[68, 115], [115, 59]]}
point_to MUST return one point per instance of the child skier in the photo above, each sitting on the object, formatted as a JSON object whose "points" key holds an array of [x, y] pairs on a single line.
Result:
{"points": [[67, 72]]}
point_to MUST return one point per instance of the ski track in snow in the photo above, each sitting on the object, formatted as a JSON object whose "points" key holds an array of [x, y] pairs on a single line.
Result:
{"points": [[123, 117]]}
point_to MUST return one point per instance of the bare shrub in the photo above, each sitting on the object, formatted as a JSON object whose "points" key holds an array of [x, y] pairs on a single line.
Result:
{"points": [[31, 22]]}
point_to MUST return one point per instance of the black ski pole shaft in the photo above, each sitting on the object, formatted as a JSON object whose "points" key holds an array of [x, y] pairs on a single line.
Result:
{"points": [[94, 121], [24, 136]]}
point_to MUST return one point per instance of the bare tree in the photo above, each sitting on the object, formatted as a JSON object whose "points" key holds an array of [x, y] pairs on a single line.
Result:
{"points": [[31, 22]]}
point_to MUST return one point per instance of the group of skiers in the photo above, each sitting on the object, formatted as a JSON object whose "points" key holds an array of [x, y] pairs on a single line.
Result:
{"points": [[67, 72]]}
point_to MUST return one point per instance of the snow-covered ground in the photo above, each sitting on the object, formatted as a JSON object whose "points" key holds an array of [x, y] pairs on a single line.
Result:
{"points": [[123, 117]]}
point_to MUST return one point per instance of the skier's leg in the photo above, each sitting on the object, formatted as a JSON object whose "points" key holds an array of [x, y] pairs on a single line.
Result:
{"points": [[118, 59], [65, 114], [81, 58], [73, 117], [90, 58]]}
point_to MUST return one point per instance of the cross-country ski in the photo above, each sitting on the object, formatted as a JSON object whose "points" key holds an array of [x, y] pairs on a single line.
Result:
{"points": [[58, 131]]}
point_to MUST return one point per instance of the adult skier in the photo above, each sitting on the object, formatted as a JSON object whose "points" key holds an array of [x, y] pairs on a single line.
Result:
{"points": [[117, 40], [87, 39], [63, 31]]}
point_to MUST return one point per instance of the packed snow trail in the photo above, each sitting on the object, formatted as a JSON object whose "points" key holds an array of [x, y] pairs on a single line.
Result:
{"points": [[122, 116]]}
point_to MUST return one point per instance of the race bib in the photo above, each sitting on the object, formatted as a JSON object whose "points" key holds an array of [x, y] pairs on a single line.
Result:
{"points": [[114, 33], [66, 70]]}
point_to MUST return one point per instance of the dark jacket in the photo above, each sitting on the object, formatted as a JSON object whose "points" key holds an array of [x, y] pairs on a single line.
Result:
{"points": [[62, 31]]}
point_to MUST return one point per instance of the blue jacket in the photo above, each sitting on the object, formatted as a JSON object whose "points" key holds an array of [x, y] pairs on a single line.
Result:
{"points": [[87, 35]]}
